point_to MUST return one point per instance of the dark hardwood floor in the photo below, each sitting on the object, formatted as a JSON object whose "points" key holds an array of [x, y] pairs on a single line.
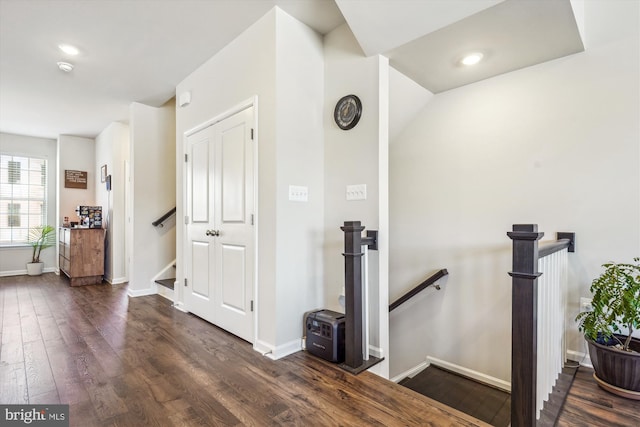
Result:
{"points": [[120, 361], [588, 405]]}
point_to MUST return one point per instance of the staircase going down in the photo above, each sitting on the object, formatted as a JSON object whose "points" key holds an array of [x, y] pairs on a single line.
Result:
{"points": [[482, 401], [167, 283]]}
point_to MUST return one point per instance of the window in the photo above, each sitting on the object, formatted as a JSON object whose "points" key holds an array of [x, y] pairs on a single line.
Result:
{"points": [[23, 197], [14, 215], [14, 172]]}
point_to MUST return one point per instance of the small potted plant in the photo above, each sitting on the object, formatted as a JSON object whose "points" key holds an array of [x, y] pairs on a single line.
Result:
{"points": [[39, 238], [608, 328]]}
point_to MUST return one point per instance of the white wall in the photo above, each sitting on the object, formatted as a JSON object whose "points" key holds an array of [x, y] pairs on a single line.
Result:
{"points": [[300, 161], [13, 260], [112, 149], [243, 69], [153, 192], [354, 157], [75, 153], [406, 99], [279, 61], [556, 144]]}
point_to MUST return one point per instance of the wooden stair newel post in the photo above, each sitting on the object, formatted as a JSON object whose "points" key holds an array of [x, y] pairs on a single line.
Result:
{"points": [[353, 293], [524, 302]]}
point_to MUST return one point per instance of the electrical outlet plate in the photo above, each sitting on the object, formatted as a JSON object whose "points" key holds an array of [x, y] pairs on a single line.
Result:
{"points": [[357, 192], [298, 193]]}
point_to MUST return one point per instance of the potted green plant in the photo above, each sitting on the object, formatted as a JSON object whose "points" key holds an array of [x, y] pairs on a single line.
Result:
{"points": [[608, 328], [39, 238]]}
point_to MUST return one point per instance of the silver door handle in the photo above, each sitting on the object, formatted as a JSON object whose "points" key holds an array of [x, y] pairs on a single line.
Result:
{"points": [[214, 233]]}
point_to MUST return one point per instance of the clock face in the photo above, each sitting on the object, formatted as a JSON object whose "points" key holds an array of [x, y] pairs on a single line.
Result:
{"points": [[347, 112]]}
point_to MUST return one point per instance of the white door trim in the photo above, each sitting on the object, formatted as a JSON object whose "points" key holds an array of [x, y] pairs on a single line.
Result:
{"points": [[248, 103]]}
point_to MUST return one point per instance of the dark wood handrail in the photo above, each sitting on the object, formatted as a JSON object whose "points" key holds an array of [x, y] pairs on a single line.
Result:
{"points": [[430, 281], [160, 220], [546, 249]]}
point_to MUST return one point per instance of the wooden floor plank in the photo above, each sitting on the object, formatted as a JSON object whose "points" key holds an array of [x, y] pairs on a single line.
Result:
{"points": [[68, 381], [28, 320], [120, 361], [39, 376], [11, 351], [589, 405], [13, 384], [2, 293]]}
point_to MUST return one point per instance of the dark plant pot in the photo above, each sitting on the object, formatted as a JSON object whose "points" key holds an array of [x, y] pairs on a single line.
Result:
{"points": [[617, 368]]}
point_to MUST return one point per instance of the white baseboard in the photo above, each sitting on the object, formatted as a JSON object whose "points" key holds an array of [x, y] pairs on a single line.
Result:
{"points": [[376, 352], [117, 281], [24, 272], [277, 352], [179, 305], [478, 376], [410, 372], [141, 292], [582, 358], [262, 347], [165, 292], [13, 273], [285, 349]]}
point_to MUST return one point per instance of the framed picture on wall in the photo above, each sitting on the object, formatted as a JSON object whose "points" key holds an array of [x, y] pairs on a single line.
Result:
{"points": [[108, 182], [103, 173]]}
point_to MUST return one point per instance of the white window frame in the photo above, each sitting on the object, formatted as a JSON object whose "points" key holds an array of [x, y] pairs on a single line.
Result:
{"points": [[33, 208]]}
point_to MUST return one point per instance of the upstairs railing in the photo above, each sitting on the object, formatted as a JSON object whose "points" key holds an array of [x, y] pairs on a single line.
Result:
{"points": [[537, 331], [160, 221], [432, 280]]}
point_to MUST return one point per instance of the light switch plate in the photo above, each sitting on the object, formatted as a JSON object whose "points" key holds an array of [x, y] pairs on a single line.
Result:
{"points": [[298, 193], [357, 192]]}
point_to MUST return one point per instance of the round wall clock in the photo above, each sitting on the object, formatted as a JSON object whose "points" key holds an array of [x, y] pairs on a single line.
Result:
{"points": [[347, 112]]}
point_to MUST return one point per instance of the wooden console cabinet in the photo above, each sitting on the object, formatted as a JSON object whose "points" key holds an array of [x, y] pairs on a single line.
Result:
{"points": [[82, 255]]}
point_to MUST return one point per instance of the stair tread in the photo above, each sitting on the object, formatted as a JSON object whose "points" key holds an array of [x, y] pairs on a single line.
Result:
{"points": [[167, 283], [404, 381], [484, 402]]}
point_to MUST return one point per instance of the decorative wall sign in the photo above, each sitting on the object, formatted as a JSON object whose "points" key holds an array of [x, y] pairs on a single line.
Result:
{"points": [[75, 179], [108, 182]]}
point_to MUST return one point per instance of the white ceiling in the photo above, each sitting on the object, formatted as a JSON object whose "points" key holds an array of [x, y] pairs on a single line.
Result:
{"points": [[522, 33], [139, 50], [382, 25]]}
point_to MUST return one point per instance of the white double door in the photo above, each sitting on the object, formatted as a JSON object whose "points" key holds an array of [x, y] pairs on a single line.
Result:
{"points": [[220, 254]]}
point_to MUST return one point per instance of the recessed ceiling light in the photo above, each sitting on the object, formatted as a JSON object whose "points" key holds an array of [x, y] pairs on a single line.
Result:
{"points": [[65, 66], [472, 58], [68, 49]]}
